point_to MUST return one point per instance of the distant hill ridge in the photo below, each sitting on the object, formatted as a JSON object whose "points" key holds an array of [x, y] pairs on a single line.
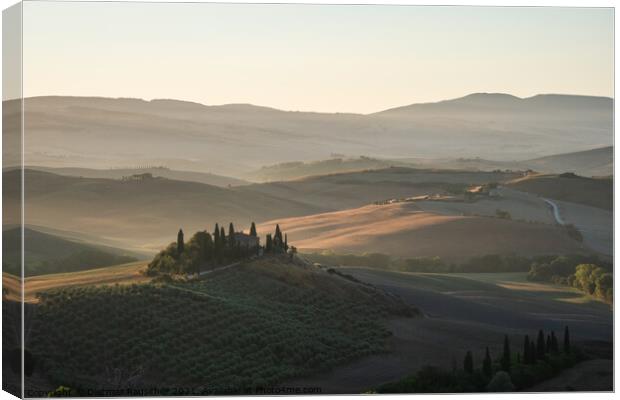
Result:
{"points": [[481, 99], [231, 140], [503, 100]]}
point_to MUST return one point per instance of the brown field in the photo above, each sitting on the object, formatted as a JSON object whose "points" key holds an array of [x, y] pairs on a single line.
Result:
{"points": [[145, 216], [595, 224], [121, 274], [354, 189], [595, 192], [404, 230], [522, 206]]}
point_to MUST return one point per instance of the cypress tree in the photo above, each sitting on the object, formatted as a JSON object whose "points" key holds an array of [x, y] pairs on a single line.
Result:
{"points": [[253, 230], [285, 242], [231, 235], [526, 350], [540, 345], [548, 344], [487, 365], [506, 355], [268, 244], [468, 363], [554, 343], [216, 235], [180, 243], [566, 340], [223, 237], [278, 236]]}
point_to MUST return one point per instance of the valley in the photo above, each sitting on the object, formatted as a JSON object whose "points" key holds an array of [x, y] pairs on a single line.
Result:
{"points": [[145, 238], [467, 312]]}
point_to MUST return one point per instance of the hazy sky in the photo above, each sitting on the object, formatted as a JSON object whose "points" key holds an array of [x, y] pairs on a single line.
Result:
{"points": [[318, 58]]}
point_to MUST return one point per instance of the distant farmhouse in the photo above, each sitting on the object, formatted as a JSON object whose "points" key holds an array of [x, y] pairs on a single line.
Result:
{"points": [[137, 177], [246, 241]]}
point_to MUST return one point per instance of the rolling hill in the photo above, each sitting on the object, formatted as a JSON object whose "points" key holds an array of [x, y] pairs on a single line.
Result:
{"points": [[403, 230], [140, 215], [147, 214], [49, 254], [298, 169], [267, 321], [595, 162], [595, 192], [103, 132], [119, 173], [354, 189]]}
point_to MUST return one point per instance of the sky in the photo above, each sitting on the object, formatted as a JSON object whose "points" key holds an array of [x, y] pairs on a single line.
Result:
{"points": [[324, 58]]}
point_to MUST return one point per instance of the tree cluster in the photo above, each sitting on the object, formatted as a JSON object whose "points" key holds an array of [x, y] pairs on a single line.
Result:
{"points": [[541, 359], [276, 243], [205, 250], [588, 274]]}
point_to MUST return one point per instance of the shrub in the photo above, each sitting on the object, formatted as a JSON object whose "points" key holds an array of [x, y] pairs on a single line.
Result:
{"points": [[501, 382], [502, 214]]}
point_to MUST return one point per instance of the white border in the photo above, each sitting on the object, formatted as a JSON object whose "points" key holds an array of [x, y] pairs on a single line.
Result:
{"points": [[510, 3]]}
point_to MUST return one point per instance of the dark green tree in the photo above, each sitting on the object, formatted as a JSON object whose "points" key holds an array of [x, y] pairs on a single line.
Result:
{"points": [[285, 242], [203, 246], [216, 235], [540, 345], [268, 243], [548, 343], [554, 343], [566, 340], [277, 237], [526, 350], [505, 362], [223, 237], [468, 363], [487, 364], [231, 235], [253, 229], [180, 243]]}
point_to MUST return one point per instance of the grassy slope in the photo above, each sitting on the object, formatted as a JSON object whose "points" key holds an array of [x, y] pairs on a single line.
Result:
{"points": [[121, 274], [465, 312], [595, 162], [146, 214], [595, 192], [257, 324], [118, 173], [49, 254], [404, 230]]}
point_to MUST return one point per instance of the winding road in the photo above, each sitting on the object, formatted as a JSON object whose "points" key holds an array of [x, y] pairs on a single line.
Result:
{"points": [[556, 211]]}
